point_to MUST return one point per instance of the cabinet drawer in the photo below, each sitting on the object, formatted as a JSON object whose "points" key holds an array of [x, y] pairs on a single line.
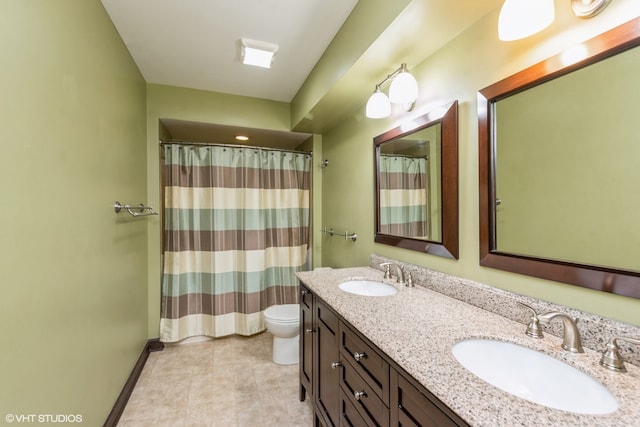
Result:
{"points": [[368, 404], [369, 363], [349, 416]]}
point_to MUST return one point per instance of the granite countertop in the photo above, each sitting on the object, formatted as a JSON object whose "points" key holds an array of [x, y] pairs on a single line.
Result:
{"points": [[417, 328]]}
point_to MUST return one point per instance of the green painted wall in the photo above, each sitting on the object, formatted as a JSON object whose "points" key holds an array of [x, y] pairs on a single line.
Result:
{"points": [[472, 61], [73, 273], [167, 102]]}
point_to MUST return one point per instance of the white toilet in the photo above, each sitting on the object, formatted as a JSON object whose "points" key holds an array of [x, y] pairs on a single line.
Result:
{"points": [[283, 321]]}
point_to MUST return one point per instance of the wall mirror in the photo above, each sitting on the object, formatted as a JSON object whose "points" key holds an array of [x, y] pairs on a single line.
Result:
{"points": [[560, 167], [416, 173]]}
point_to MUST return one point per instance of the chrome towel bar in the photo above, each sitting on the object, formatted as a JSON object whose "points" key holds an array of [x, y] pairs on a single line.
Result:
{"points": [[140, 208], [347, 236]]}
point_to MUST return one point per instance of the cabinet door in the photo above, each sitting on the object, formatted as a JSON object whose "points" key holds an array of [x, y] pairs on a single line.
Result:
{"points": [[306, 343], [411, 406], [327, 374]]}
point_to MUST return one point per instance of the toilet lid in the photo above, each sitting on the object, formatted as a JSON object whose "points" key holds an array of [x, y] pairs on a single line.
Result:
{"points": [[283, 313]]}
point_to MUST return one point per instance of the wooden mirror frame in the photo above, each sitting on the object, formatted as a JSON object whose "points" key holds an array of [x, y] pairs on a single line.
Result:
{"points": [[447, 116], [617, 281]]}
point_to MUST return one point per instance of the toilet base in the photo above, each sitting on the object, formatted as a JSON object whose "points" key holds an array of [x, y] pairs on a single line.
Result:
{"points": [[286, 350]]}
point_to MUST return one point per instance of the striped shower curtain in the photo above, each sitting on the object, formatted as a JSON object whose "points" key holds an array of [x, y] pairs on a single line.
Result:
{"points": [[403, 196], [236, 229]]}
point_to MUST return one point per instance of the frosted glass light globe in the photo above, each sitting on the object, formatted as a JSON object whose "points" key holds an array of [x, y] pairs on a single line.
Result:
{"points": [[403, 89], [522, 18], [378, 106]]}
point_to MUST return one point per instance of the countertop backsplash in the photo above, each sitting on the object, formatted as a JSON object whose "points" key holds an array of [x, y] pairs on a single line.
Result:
{"points": [[594, 330]]}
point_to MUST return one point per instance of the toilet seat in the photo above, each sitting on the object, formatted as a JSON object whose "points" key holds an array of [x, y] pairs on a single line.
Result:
{"points": [[285, 313]]}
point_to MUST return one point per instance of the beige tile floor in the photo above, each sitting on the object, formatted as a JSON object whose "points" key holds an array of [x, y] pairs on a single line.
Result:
{"points": [[226, 382]]}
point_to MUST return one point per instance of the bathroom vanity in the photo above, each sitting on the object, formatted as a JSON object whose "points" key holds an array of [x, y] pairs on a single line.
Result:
{"points": [[351, 382], [388, 361]]}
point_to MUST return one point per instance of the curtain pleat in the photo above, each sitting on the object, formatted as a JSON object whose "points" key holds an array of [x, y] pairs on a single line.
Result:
{"points": [[236, 231], [404, 196]]}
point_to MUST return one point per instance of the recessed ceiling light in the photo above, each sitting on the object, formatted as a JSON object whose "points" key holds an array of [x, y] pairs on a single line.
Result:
{"points": [[242, 137], [254, 52]]}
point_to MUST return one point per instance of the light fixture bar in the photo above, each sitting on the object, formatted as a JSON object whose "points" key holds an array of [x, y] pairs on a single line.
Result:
{"points": [[402, 68], [403, 90]]}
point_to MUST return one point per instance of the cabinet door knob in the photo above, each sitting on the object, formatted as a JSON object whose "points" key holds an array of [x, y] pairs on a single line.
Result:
{"points": [[359, 394], [309, 330], [359, 356], [303, 292], [335, 365]]}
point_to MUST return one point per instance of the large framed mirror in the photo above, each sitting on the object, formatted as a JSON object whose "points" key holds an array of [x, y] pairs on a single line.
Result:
{"points": [[559, 152], [416, 181]]}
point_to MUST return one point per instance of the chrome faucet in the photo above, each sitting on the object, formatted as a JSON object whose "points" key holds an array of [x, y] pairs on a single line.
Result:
{"points": [[571, 338], [398, 269]]}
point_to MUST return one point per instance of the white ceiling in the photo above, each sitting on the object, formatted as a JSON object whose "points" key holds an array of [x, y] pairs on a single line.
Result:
{"points": [[195, 43]]}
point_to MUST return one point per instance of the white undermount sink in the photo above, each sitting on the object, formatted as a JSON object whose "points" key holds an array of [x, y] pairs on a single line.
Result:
{"points": [[534, 376], [368, 288]]}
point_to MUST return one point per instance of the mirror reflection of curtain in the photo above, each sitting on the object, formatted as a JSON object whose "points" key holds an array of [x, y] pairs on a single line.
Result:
{"points": [[236, 226], [403, 196]]}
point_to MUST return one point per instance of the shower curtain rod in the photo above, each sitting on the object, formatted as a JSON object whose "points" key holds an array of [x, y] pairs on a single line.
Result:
{"points": [[407, 156], [253, 147]]}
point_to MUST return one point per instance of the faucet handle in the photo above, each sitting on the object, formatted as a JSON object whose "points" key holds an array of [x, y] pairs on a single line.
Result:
{"points": [[409, 282], [387, 271], [533, 328], [611, 358]]}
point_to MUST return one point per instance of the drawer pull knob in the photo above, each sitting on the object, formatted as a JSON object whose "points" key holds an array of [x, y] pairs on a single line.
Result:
{"points": [[359, 394], [309, 331], [359, 356], [335, 365]]}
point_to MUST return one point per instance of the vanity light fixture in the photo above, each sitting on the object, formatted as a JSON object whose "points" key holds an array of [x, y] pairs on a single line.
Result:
{"points": [[523, 18], [254, 52], [403, 90]]}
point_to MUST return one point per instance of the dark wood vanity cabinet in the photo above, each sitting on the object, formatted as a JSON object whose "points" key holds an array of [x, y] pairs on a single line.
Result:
{"points": [[352, 383]]}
